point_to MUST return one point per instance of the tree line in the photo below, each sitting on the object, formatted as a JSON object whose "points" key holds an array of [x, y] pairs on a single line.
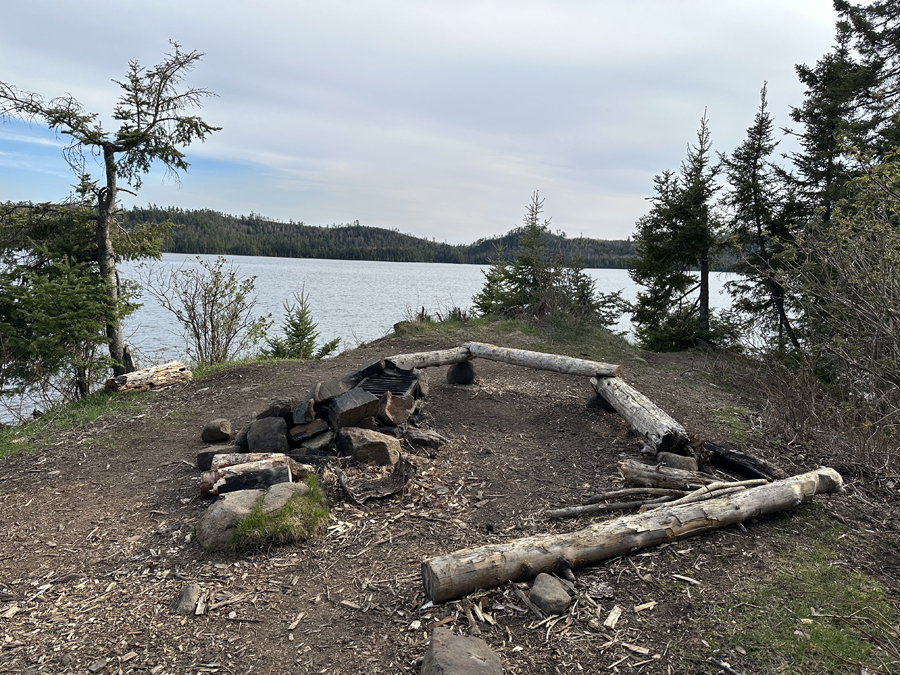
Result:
{"points": [[208, 231]]}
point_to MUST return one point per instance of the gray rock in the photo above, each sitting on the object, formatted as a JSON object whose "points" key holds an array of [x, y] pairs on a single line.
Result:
{"points": [[216, 527], [368, 446], [676, 461], [549, 594], [278, 495], [280, 407], [216, 431], [303, 431], [394, 410], [425, 437], [350, 407], [422, 382], [305, 411], [240, 440], [450, 654], [461, 373], [317, 445], [189, 597], [369, 423], [268, 435], [322, 393]]}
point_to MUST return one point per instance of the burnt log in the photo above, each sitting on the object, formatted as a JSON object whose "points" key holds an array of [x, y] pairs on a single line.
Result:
{"points": [[454, 575], [742, 463], [643, 415]]}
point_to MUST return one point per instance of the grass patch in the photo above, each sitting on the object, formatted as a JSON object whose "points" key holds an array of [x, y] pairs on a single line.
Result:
{"points": [[38, 433], [301, 518], [736, 421], [813, 614]]}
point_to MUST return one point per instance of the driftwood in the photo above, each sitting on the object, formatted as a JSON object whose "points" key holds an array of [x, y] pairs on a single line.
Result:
{"points": [[654, 475], [155, 377], [662, 432], [443, 357], [457, 574], [558, 364], [742, 463]]}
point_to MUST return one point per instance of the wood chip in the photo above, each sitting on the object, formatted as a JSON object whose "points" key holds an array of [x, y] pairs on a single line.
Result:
{"points": [[350, 605], [128, 656], [636, 649], [613, 618], [297, 621], [687, 579], [646, 605]]}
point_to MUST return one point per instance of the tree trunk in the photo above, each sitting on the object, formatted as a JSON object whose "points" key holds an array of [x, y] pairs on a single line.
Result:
{"points": [[457, 574], [443, 357], [645, 417], [703, 311], [106, 261], [155, 377], [540, 361]]}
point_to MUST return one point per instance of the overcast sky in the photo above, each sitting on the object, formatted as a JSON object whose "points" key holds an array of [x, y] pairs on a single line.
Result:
{"points": [[435, 118]]}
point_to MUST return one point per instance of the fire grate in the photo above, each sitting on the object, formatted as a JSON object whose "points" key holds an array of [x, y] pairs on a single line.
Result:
{"points": [[399, 384]]}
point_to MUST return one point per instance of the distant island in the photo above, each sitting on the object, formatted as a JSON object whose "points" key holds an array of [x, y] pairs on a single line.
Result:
{"points": [[211, 232]]}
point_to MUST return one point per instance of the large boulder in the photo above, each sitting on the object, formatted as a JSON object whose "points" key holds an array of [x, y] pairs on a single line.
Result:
{"points": [[268, 435], [216, 528], [450, 654], [368, 446]]}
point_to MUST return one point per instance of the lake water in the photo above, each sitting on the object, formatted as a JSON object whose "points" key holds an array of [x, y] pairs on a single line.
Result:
{"points": [[357, 301]]}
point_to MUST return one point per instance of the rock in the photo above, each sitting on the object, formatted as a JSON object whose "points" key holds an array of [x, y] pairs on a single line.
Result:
{"points": [[322, 393], [189, 597], [396, 432], [216, 527], [350, 407], [268, 435], [318, 445], [354, 377], [278, 495], [423, 382], [368, 446], [549, 594], [394, 410], [461, 373], [204, 459], [425, 437], [216, 431], [241, 439], [450, 654], [303, 431], [676, 461], [369, 423], [280, 407], [305, 411]]}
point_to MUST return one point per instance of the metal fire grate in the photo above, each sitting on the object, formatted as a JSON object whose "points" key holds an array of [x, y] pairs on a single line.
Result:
{"points": [[399, 384]]}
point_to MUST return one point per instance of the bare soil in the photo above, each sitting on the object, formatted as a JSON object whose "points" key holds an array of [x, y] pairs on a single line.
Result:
{"points": [[96, 545]]}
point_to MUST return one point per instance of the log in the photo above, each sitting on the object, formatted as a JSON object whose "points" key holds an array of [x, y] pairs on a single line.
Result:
{"points": [[457, 574], [643, 415], [569, 511], [211, 481], [742, 463], [155, 377], [540, 361], [443, 357], [654, 475]]}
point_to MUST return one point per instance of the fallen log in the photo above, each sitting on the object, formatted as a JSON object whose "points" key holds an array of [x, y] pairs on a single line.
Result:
{"points": [[540, 361], [155, 377], [662, 432], [250, 475], [655, 475], [442, 357], [457, 574], [569, 511], [742, 463]]}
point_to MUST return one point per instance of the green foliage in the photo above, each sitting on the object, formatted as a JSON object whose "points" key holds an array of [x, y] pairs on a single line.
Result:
{"points": [[300, 519], [678, 236], [534, 285], [211, 232], [214, 307], [300, 334]]}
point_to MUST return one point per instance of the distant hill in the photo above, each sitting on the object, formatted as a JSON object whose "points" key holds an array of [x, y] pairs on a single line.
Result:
{"points": [[211, 232]]}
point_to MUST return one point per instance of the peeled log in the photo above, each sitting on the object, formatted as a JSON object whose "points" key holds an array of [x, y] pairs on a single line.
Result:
{"points": [[443, 357], [155, 377], [457, 574], [644, 416], [540, 361]]}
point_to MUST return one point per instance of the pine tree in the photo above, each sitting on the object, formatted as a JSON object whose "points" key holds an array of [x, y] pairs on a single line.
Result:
{"points": [[677, 237]]}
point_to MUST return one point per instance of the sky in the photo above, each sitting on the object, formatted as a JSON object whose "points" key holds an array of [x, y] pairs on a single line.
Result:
{"points": [[438, 119]]}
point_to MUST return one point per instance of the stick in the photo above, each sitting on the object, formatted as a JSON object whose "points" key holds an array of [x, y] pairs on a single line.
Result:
{"points": [[570, 511]]}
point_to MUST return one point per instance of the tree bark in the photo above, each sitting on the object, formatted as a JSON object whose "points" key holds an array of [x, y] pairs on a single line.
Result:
{"points": [[540, 361], [457, 574], [155, 377], [653, 475], [443, 357], [645, 417]]}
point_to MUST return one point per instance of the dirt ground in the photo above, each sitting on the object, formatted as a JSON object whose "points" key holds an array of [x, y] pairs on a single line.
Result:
{"points": [[96, 547]]}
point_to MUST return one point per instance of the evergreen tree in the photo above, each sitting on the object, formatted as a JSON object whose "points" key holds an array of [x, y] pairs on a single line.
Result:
{"points": [[762, 212], [676, 238]]}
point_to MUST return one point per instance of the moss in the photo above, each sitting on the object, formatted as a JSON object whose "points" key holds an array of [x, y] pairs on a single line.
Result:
{"points": [[300, 519]]}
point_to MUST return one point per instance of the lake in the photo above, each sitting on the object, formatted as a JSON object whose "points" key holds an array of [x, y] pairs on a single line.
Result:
{"points": [[357, 301]]}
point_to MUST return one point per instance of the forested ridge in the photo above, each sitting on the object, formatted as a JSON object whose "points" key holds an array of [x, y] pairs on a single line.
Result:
{"points": [[211, 232]]}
